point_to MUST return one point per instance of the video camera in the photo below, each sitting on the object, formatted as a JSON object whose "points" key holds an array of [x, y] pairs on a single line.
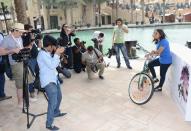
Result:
{"points": [[36, 31], [24, 54], [83, 42], [111, 51]]}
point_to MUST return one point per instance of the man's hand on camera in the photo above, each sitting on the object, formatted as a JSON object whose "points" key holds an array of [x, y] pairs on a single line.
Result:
{"points": [[59, 51], [16, 50]]}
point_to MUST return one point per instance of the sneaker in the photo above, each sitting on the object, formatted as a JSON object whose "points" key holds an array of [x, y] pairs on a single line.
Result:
{"points": [[155, 80], [101, 77], [129, 67], [33, 99], [118, 65], [60, 115], [52, 128], [158, 89]]}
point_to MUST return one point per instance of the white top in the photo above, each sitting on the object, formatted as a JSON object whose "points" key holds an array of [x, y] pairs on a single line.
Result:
{"points": [[96, 34], [47, 65]]}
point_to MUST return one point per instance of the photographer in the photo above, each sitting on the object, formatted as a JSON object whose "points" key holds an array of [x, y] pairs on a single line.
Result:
{"points": [[48, 60], [62, 69], [34, 41], [66, 34], [93, 58], [98, 38], [11, 42], [4, 52], [78, 49]]}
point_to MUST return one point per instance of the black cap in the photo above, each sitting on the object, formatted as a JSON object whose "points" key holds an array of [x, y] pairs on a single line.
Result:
{"points": [[49, 40]]}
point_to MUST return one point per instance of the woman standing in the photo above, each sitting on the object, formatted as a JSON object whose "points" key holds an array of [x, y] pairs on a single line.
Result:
{"points": [[66, 34], [164, 60]]}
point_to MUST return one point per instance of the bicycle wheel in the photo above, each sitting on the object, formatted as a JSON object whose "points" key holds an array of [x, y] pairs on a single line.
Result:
{"points": [[141, 88]]}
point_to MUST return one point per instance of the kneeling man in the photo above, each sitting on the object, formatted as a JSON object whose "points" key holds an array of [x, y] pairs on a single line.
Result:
{"points": [[93, 60]]}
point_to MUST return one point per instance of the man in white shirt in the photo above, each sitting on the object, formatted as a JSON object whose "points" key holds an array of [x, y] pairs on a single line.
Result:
{"points": [[98, 38], [48, 60]]}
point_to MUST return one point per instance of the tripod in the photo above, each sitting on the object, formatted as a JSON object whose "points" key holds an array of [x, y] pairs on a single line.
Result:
{"points": [[26, 96]]}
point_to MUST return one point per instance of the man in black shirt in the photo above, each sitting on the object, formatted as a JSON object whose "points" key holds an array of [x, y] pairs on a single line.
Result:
{"points": [[78, 49]]}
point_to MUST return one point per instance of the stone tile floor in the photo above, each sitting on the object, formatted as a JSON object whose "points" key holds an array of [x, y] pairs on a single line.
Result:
{"points": [[98, 105]]}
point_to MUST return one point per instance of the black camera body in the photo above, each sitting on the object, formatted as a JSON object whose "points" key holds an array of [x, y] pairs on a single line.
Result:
{"points": [[83, 42], [35, 31], [111, 51], [23, 55]]}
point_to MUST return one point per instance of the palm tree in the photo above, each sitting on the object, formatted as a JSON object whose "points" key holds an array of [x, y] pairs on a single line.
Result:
{"points": [[143, 14], [163, 17], [20, 9], [132, 8], [99, 2], [95, 4], [47, 4]]}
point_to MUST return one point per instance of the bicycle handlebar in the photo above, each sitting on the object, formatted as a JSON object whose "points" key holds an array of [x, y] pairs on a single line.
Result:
{"points": [[142, 48]]}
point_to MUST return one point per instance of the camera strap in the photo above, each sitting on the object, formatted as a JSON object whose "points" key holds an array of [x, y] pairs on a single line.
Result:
{"points": [[97, 54], [18, 42]]}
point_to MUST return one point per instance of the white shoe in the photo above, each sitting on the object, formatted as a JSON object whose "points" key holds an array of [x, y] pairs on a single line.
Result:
{"points": [[33, 99]]}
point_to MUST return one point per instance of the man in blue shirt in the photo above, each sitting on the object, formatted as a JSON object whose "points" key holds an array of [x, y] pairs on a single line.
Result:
{"points": [[48, 59]]}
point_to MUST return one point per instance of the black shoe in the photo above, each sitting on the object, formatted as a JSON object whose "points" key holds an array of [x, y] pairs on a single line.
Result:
{"points": [[155, 80], [129, 67], [61, 114], [52, 128], [101, 77], [118, 65], [158, 89], [5, 97], [84, 70]]}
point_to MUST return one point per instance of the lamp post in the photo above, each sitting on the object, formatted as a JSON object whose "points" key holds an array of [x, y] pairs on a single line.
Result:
{"points": [[4, 15]]}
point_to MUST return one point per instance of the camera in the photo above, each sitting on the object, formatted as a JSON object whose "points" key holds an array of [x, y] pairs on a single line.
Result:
{"points": [[83, 42], [111, 51], [35, 31], [24, 54], [61, 42]]}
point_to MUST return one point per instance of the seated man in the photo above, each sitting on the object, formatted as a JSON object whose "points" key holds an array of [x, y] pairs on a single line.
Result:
{"points": [[78, 49], [93, 58]]}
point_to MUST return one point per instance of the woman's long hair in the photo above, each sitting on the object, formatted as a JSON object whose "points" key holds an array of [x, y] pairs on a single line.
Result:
{"points": [[62, 30], [162, 35]]}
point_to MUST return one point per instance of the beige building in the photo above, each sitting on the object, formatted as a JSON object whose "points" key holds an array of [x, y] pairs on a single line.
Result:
{"points": [[83, 14]]}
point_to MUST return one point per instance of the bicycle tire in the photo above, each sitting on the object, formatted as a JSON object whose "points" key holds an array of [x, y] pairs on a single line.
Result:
{"points": [[143, 78]]}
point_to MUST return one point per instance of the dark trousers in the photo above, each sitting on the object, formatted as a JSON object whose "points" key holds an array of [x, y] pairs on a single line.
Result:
{"points": [[2, 85], [69, 53], [163, 70]]}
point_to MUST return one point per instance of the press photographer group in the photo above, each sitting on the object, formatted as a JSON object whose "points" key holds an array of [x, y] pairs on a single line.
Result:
{"points": [[36, 63]]}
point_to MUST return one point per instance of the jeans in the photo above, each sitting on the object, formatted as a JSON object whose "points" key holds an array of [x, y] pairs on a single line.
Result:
{"points": [[32, 63], [122, 47], [2, 85], [54, 95], [163, 70]]}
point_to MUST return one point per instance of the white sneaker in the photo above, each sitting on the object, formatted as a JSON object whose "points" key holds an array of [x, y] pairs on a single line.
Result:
{"points": [[34, 99]]}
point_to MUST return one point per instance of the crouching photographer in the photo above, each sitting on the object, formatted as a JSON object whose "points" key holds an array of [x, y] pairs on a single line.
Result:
{"points": [[93, 60], [48, 60], [78, 49], [63, 61]]}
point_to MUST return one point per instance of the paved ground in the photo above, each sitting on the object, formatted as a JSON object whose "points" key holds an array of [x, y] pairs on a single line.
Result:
{"points": [[98, 105]]}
